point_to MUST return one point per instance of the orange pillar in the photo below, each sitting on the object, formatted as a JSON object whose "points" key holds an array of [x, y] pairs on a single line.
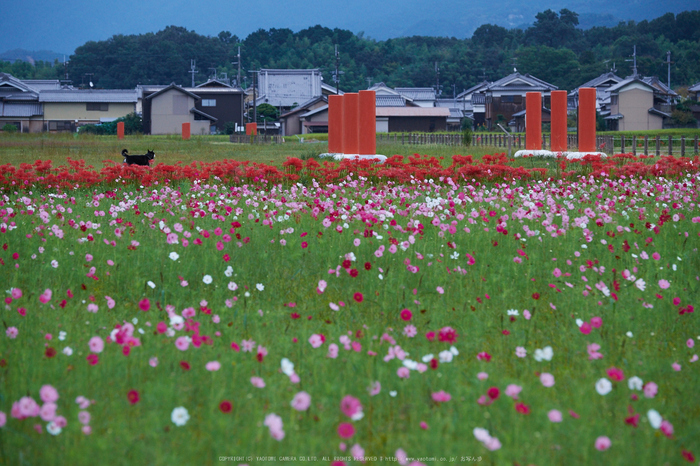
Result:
{"points": [[367, 124], [559, 124], [185, 130], [251, 129], [120, 130], [335, 124], [533, 121], [351, 107], [586, 119]]}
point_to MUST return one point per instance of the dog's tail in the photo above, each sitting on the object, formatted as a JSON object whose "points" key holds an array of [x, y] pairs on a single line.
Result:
{"points": [[125, 153]]}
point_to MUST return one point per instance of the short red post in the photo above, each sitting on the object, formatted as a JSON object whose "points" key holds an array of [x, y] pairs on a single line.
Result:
{"points": [[186, 131], [367, 124], [559, 121], [120, 130], [586, 119], [335, 124], [351, 107], [251, 129], [533, 121]]}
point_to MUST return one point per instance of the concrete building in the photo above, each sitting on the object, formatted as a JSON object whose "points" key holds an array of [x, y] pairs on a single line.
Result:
{"points": [[172, 106], [68, 109], [637, 104]]}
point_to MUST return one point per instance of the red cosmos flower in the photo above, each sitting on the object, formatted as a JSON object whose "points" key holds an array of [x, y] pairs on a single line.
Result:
{"points": [[93, 359], [162, 327], [368, 266], [535, 296], [304, 245], [50, 352], [522, 408], [483, 356], [632, 420], [434, 363], [447, 334], [295, 315], [227, 258], [358, 297], [225, 406], [505, 332], [346, 264], [430, 336], [688, 455], [185, 365], [144, 304], [353, 273], [133, 397], [493, 393]]}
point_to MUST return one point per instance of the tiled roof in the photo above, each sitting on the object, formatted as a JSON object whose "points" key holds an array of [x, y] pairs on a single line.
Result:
{"points": [[517, 81], [202, 114], [173, 86], [388, 100], [597, 82], [89, 95], [694, 88], [43, 84], [482, 85], [417, 93], [413, 112]]}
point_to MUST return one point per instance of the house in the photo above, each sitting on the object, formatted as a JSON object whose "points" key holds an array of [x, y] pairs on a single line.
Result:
{"points": [[638, 103], [165, 110], [19, 105], [291, 122], [286, 89], [602, 85], [472, 103], [68, 109], [412, 119], [506, 97], [694, 94], [420, 96], [214, 101]]}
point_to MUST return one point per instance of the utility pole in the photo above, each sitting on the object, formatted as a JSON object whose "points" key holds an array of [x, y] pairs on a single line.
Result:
{"points": [[337, 74], [255, 97], [369, 81], [193, 71], [634, 62], [437, 79], [238, 62]]}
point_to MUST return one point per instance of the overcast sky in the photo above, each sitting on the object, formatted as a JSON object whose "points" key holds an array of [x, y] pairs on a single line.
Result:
{"points": [[63, 26]]}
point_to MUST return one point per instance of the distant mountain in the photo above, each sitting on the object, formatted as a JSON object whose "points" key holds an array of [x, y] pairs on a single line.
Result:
{"points": [[32, 55]]}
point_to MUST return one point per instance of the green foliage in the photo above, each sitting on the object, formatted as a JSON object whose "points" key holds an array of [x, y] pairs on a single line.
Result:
{"points": [[467, 136], [553, 49], [132, 125], [683, 119], [267, 112], [8, 128]]}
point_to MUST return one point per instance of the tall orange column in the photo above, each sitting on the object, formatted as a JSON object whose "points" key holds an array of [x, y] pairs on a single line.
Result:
{"points": [[586, 119], [185, 130], [559, 117], [351, 107], [367, 125], [335, 124], [533, 121], [120, 130]]}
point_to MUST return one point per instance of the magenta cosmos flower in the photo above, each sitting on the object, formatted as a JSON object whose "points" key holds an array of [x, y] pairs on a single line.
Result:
{"points": [[350, 406]]}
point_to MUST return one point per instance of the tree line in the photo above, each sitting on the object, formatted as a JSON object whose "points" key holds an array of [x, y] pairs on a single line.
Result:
{"points": [[553, 49]]}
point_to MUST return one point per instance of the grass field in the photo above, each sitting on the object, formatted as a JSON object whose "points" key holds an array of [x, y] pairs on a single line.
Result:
{"points": [[503, 322]]}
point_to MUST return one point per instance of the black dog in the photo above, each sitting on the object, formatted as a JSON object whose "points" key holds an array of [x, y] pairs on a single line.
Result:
{"points": [[138, 159]]}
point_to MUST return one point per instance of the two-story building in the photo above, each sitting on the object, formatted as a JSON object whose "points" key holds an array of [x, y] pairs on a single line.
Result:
{"points": [[639, 103]]}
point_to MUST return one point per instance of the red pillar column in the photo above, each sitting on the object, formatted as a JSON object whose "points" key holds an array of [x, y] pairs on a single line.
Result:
{"points": [[586, 119], [533, 121], [559, 118], [185, 130], [367, 123], [351, 106], [251, 129], [335, 124], [120, 130]]}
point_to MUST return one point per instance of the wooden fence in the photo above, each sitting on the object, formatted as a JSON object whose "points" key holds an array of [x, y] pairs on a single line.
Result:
{"points": [[259, 139]]}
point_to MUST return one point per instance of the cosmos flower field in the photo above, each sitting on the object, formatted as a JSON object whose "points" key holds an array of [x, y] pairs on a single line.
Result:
{"points": [[340, 317]]}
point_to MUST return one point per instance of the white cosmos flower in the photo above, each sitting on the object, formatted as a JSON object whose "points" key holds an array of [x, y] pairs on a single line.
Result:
{"points": [[513, 312], [454, 351], [180, 416], [174, 256], [603, 386], [52, 428], [635, 383], [151, 284], [54, 264], [357, 416], [207, 279], [287, 367], [544, 354], [62, 335], [229, 271], [579, 322], [427, 358], [68, 351], [629, 334], [445, 356], [654, 418], [232, 286], [260, 286], [641, 284], [413, 365], [176, 320]]}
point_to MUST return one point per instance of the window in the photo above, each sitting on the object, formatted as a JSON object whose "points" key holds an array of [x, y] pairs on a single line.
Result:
{"points": [[208, 102], [60, 126], [507, 98], [97, 107]]}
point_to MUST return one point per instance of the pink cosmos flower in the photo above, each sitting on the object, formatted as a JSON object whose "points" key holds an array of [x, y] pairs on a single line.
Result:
{"points": [[96, 344], [676, 367], [602, 443], [666, 428], [28, 407], [12, 332], [301, 401], [332, 351], [403, 372], [153, 362], [374, 389], [45, 296], [547, 379], [346, 430], [482, 376], [48, 411], [596, 322], [357, 452], [145, 304], [615, 374], [247, 345], [350, 406], [664, 284], [423, 425], [520, 352], [513, 391], [650, 389], [257, 382], [182, 343], [316, 340], [447, 334], [593, 351], [585, 328], [213, 366], [406, 314], [554, 415], [3, 419], [527, 314], [48, 394], [16, 293], [441, 396], [410, 331]]}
